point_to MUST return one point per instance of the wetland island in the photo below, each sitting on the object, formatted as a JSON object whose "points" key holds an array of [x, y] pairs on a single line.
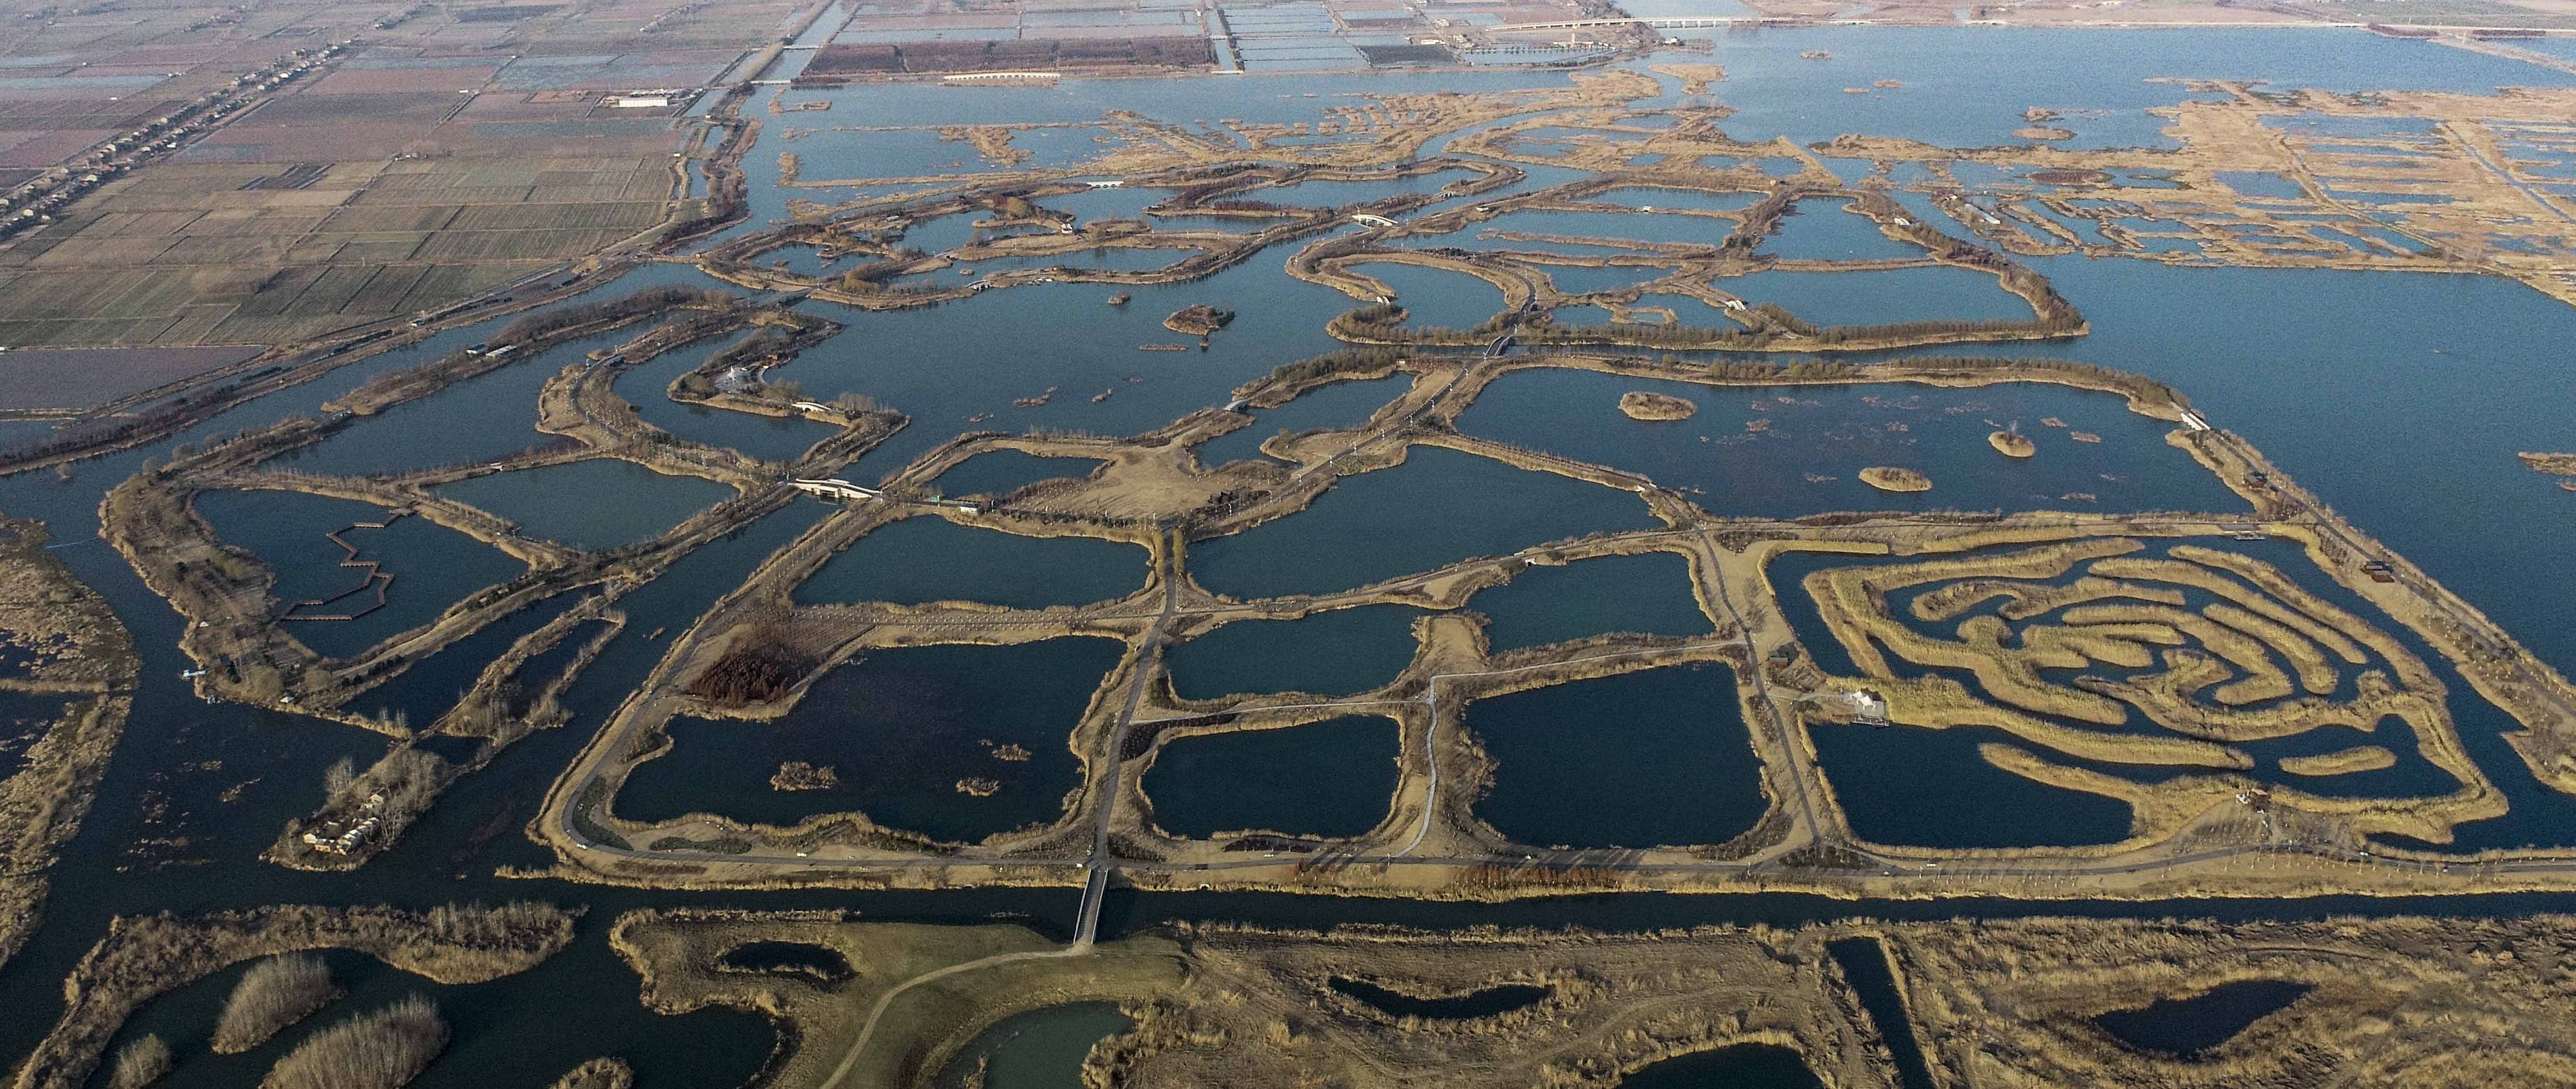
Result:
{"points": [[1588, 544]]}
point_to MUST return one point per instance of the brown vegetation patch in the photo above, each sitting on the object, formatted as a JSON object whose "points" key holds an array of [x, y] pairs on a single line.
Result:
{"points": [[1198, 320], [2552, 464], [799, 775], [73, 643], [2434, 1003], [601, 1073], [1890, 478], [2341, 761], [384, 1049], [1641, 405], [762, 665], [274, 994]]}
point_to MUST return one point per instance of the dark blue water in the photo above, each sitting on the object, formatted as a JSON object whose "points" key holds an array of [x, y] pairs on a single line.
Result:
{"points": [[2189, 1026], [2255, 183], [2447, 376], [998, 473], [1694, 230], [1743, 1066], [927, 558], [1929, 788], [1489, 1002], [595, 504], [1864, 963], [427, 689], [1649, 594], [1439, 507], [1336, 653], [1041, 1049], [1090, 346], [1332, 780], [1433, 297], [480, 419], [1880, 296], [795, 958], [432, 566], [1662, 200], [900, 728], [1668, 743], [1787, 451], [1340, 405], [1828, 230]]}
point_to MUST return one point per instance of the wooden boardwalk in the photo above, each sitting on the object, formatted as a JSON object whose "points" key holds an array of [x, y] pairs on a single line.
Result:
{"points": [[375, 578]]}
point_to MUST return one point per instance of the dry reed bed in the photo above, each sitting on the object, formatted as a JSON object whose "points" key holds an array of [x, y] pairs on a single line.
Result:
{"points": [[145, 956], [85, 651]]}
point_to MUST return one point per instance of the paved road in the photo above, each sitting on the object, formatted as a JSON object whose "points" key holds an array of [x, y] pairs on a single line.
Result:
{"points": [[1105, 802], [868, 1028], [1762, 696]]}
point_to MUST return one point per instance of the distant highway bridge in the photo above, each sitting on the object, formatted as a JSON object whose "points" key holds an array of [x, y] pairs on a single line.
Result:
{"points": [[1659, 22]]}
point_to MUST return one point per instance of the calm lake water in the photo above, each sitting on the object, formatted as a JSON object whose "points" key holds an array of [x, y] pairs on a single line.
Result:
{"points": [[1040, 1049], [1342, 404], [1336, 653], [595, 504], [1669, 743], [1744, 1066], [927, 558], [1649, 594], [1331, 779], [2399, 398], [901, 729], [1440, 506], [432, 566], [1788, 451], [2188, 1026]]}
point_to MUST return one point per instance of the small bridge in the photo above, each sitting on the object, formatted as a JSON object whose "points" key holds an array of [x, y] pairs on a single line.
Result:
{"points": [[1372, 220], [844, 491]]}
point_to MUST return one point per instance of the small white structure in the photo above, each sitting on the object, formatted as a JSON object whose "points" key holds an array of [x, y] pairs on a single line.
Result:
{"points": [[1868, 708], [639, 102]]}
